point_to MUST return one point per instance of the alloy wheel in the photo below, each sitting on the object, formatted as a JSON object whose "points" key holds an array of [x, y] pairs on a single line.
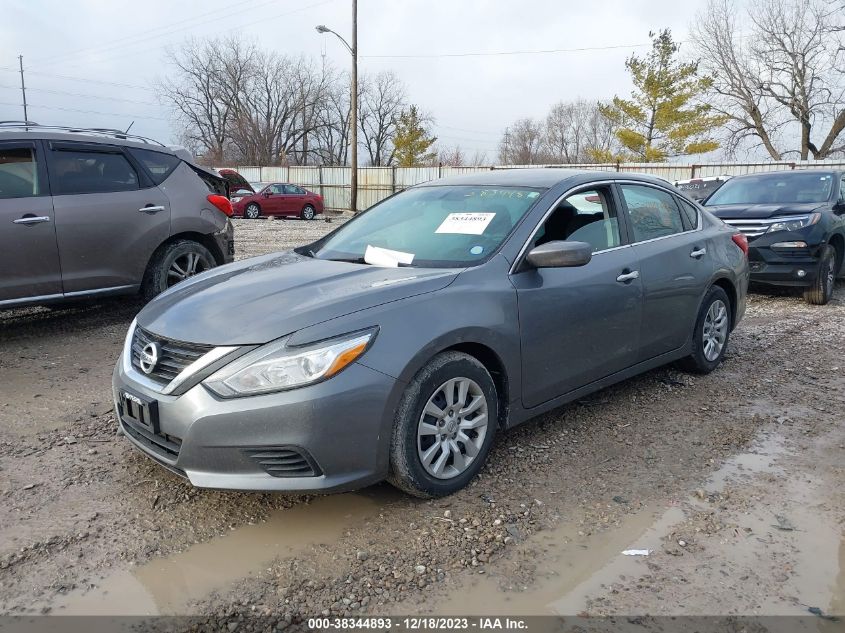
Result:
{"points": [[185, 266], [715, 330], [452, 428]]}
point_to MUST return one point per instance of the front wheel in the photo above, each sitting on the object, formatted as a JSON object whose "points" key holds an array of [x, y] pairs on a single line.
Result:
{"points": [[252, 211], [173, 263], [821, 291], [308, 212], [711, 333], [444, 426]]}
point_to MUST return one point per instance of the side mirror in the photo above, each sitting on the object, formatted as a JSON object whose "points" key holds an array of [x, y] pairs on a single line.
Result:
{"points": [[560, 255], [268, 193], [839, 208]]}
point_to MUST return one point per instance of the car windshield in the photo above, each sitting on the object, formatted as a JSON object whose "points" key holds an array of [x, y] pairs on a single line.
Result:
{"points": [[437, 226], [791, 187]]}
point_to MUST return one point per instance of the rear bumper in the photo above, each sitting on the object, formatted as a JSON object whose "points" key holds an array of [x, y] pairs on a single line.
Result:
{"points": [[225, 240]]}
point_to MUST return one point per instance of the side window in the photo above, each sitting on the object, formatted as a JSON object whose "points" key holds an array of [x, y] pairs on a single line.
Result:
{"points": [[296, 190], [91, 172], [159, 165], [842, 191], [277, 189], [653, 212], [18, 173], [690, 214], [587, 216]]}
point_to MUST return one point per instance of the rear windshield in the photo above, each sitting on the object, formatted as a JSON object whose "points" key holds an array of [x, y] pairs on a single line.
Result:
{"points": [[780, 188]]}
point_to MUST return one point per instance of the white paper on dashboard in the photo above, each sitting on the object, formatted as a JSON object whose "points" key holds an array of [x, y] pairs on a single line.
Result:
{"points": [[466, 223], [377, 256]]}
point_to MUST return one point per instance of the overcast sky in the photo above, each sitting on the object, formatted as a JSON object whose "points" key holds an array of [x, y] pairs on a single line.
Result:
{"points": [[92, 62]]}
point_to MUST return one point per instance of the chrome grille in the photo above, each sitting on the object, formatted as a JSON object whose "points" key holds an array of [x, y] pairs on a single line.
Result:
{"points": [[758, 226], [175, 355]]}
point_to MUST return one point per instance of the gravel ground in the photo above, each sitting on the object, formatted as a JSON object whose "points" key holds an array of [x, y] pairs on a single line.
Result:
{"points": [[87, 524]]}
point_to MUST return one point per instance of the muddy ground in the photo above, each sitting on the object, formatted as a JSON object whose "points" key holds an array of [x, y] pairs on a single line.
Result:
{"points": [[734, 483]]}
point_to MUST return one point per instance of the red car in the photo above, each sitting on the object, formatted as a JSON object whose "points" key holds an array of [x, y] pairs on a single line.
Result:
{"points": [[279, 199]]}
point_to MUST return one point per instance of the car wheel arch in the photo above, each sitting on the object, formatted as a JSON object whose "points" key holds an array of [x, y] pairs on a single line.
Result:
{"points": [[483, 353], [730, 289], [838, 244], [193, 236]]}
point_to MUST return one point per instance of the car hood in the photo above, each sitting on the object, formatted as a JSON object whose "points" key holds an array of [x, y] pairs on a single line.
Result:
{"points": [[760, 211], [257, 300]]}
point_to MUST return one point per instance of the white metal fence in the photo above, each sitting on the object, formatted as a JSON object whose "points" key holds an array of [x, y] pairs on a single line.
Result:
{"points": [[376, 183]]}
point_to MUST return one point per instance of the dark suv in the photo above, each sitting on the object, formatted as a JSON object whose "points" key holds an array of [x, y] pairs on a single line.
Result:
{"points": [[795, 225], [96, 212]]}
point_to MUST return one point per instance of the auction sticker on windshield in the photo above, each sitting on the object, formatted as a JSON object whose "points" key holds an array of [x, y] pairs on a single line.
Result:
{"points": [[465, 223]]}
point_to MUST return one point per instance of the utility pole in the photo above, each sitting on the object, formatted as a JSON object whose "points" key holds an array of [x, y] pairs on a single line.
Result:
{"points": [[354, 105], [23, 89]]}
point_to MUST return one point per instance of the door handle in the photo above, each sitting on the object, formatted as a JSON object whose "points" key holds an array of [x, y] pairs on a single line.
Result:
{"points": [[698, 253], [629, 276], [32, 219], [151, 208]]}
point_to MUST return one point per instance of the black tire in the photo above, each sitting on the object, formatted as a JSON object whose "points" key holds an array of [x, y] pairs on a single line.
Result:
{"points": [[252, 211], [821, 291], [406, 468], [161, 274], [308, 212], [698, 362]]}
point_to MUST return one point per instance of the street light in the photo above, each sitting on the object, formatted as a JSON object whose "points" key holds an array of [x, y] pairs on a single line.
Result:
{"points": [[353, 126]]}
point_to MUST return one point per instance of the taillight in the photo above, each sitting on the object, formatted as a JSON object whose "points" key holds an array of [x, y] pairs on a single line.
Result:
{"points": [[221, 202], [741, 241]]}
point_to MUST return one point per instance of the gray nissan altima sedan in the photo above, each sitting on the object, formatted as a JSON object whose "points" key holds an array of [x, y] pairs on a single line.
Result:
{"points": [[397, 346]]}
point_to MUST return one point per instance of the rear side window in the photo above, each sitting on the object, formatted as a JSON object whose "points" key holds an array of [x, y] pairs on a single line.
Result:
{"points": [[159, 165], [690, 214], [18, 173], [653, 212], [91, 172], [293, 189]]}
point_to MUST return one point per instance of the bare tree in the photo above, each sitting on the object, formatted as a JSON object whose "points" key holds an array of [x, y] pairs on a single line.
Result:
{"points": [[194, 94], [522, 143], [451, 156], [383, 97], [331, 129], [577, 132], [781, 86]]}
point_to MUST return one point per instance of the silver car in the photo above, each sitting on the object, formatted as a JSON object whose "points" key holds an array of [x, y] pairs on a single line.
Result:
{"points": [[399, 345], [96, 212]]}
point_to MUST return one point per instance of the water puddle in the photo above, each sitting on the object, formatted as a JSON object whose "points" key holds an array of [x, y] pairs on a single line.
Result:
{"points": [[165, 586]]}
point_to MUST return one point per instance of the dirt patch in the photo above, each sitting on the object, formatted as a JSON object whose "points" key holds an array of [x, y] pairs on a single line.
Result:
{"points": [[663, 458]]}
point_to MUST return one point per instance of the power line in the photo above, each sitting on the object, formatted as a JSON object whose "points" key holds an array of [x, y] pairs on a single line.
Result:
{"points": [[142, 36], [83, 79], [87, 96], [126, 115], [240, 26], [502, 53]]}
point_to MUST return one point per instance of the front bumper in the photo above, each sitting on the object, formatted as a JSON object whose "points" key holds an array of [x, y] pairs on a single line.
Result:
{"points": [[770, 264], [339, 428]]}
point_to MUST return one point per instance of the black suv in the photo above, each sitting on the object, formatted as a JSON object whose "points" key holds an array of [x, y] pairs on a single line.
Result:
{"points": [[795, 225]]}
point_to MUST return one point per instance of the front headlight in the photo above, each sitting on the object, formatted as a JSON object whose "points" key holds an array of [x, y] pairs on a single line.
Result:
{"points": [[276, 367], [795, 223]]}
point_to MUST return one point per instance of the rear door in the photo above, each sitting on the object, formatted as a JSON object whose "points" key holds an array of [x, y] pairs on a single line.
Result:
{"points": [[295, 199], [580, 324], [29, 256], [675, 265], [110, 216]]}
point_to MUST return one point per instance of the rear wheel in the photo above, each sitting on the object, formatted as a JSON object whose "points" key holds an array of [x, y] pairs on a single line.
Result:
{"points": [[252, 211], [173, 263], [711, 333], [308, 212], [444, 426], [821, 291]]}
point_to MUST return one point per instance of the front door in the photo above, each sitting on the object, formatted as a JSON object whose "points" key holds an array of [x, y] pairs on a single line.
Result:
{"points": [[580, 324], [29, 256], [109, 217]]}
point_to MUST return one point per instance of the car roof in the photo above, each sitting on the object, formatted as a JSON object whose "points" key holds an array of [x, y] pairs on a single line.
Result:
{"points": [[543, 177], [782, 172], [84, 136]]}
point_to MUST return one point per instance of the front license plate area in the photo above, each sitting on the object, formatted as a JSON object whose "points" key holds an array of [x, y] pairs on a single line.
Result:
{"points": [[139, 410]]}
